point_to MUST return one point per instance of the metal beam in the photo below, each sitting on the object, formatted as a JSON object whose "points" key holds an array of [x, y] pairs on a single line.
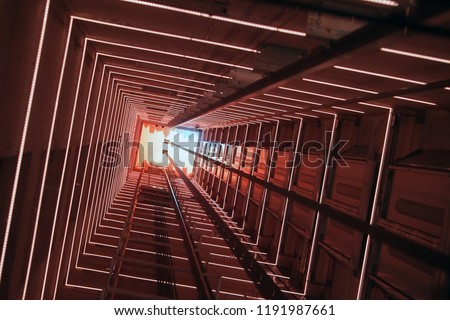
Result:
{"points": [[262, 280], [432, 256], [358, 39], [203, 287], [365, 37]]}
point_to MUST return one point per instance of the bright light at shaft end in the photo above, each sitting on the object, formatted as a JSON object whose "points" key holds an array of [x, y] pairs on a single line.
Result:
{"points": [[153, 144]]}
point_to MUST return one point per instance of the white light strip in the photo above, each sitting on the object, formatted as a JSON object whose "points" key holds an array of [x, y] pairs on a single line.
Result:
{"points": [[383, 2], [381, 75], [216, 17], [244, 111], [316, 222], [305, 92], [339, 86], [187, 97], [285, 104], [144, 94], [415, 100], [447, 88], [76, 172], [306, 115], [384, 154], [294, 117], [148, 100], [374, 105], [324, 112], [164, 65], [86, 168], [47, 159], [23, 139], [165, 88], [173, 54], [61, 184], [280, 118], [251, 109], [259, 106], [350, 110], [165, 82], [416, 55], [166, 34], [161, 75]]}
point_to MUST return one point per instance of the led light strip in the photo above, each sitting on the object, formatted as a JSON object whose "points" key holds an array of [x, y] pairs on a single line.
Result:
{"points": [[166, 88], [90, 179], [302, 91], [381, 75], [322, 192], [187, 97], [251, 109], [143, 108], [324, 112], [23, 139], [271, 152], [76, 173], [164, 65], [286, 201], [166, 34], [173, 54], [149, 95], [340, 86], [61, 184], [350, 110], [154, 103], [383, 2], [390, 120], [374, 105], [415, 100], [294, 117], [216, 17], [285, 104], [137, 97], [280, 118], [263, 107], [162, 81], [47, 159], [97, 196], [244, 111], [161, 74], [416, 55]]}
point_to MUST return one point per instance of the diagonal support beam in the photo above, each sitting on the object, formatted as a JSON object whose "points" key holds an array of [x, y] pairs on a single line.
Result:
{"points": [[366, 37]]}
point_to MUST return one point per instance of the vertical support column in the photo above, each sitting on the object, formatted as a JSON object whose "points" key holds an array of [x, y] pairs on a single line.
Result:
{"points": [[321, 196], [291, 175], [239, 168], [269, 170], [252, 172], [381, 172]]}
